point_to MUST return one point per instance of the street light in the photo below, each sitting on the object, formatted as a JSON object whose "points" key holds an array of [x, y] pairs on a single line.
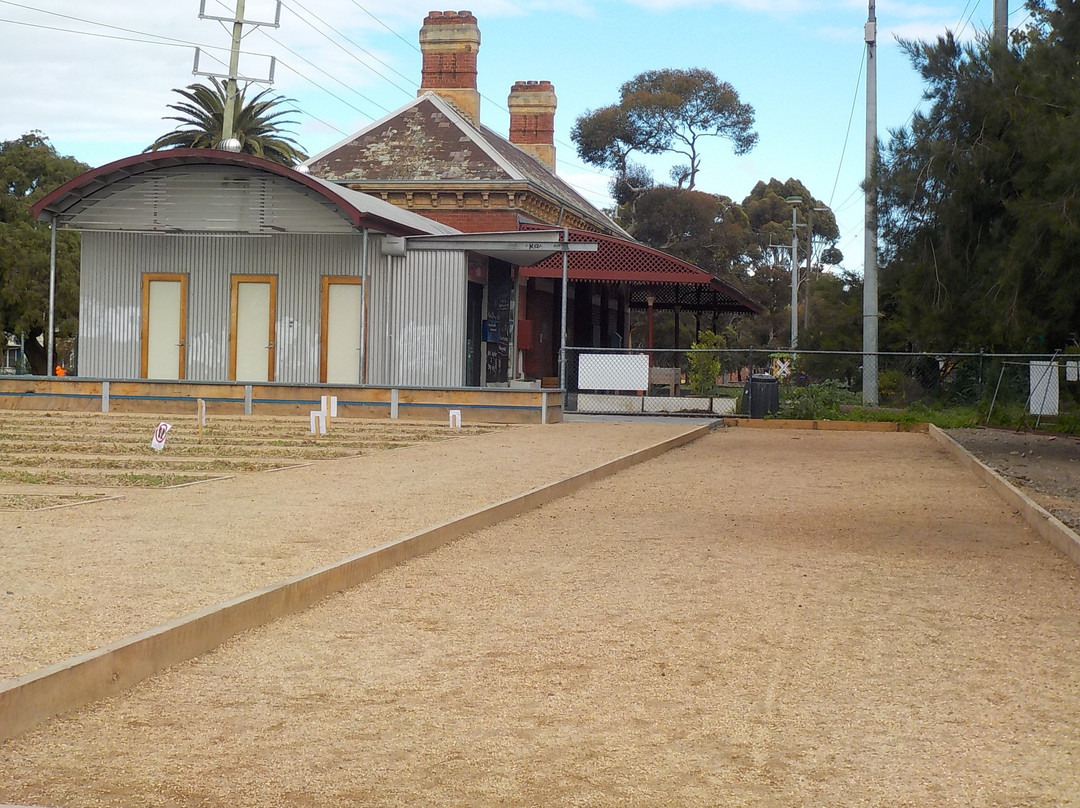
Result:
{"points": [[794, 201]]}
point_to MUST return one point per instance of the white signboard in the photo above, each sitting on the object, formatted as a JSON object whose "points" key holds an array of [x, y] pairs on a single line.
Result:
{"points": [[157, 443], [1044, 388], [613, 372]]}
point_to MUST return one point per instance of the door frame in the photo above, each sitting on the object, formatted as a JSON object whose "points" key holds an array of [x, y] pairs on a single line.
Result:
{"points": [[144, 326], [324, 321], [234, 302]]}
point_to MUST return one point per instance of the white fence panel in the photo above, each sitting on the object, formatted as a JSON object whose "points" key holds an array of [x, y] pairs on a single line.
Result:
{"points": [[613, 372], [1044, 388]]}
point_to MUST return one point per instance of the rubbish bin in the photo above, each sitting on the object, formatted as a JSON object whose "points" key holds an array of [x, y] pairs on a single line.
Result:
{"points": [[761, 395]]}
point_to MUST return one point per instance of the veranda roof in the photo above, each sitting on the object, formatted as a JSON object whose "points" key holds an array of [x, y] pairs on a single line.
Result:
{"points": [[671, 281]]}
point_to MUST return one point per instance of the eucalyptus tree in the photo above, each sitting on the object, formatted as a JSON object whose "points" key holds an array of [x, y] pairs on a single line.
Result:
{"points": [[665, 111], [30, 167]]}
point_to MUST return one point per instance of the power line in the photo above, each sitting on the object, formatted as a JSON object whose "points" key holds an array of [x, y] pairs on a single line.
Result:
{"points": [[970, 17], [847, 134], [143, 37], [172, 43], [307, 61], [156, 39], [353, 43], [387, 27], [330, 93], [962, 13]]}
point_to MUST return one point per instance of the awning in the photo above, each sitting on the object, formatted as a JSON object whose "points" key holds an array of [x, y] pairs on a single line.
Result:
{"points": [[672, 281], [520, 247]]}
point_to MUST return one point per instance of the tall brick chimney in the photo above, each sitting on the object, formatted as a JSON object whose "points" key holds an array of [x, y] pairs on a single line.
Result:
{"points": [[532, 119], [449, 42]]}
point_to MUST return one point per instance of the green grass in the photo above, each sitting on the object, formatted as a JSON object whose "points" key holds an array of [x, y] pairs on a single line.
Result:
{"points": [[830, 401]]}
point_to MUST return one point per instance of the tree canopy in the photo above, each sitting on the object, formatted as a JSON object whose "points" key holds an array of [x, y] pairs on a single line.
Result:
{"points": [[30, 167], [662, 111], [746, 243], [979, 196], [259, 123]]}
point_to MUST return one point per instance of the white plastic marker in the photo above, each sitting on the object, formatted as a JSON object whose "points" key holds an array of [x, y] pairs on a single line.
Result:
{"points": [[455, 419], [158, 442], [320, 416]]}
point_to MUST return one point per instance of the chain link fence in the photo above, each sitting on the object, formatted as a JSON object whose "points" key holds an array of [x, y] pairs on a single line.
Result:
{"points": [[1002, 388]]}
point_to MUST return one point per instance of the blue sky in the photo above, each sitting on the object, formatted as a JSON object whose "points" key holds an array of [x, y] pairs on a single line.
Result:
{"points": [[798, 62]]}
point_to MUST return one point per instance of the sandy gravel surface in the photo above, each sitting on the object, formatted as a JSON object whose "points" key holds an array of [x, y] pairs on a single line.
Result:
{"points": [[75, 579], [761, 618]]}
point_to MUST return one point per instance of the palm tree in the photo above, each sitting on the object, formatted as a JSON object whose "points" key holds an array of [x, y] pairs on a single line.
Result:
{"points": [[257, 125]]}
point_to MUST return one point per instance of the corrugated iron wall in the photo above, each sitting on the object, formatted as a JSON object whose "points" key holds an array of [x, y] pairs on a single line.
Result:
{"points": [[416, 336], [113, 265]]}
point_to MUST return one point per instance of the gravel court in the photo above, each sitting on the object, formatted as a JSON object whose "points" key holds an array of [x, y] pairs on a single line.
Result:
{"points": [[760, 618], [75, 579]]}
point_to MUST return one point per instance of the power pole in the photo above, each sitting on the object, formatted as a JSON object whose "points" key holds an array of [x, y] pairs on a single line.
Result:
{"points": [[233, 76], [794, 201], [234, 69], [809, 266], [870, 251], [1001, 21]]}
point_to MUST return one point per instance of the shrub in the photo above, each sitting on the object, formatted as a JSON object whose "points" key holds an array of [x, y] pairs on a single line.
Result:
{"points": [[705, 368], [816, 402]]}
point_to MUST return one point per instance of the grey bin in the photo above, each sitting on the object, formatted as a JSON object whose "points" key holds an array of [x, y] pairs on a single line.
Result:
{"points": [[761, 395]]}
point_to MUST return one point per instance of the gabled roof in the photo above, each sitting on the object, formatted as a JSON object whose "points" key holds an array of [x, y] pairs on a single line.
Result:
{"points": [[429, 141], [360, 210]]}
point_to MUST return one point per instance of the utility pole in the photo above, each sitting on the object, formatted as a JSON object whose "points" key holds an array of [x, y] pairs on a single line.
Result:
{"points": [[809, 267], [809, 262], [870, 251], [1001, 21], [234, 69], [228, 141], [794, 201]]}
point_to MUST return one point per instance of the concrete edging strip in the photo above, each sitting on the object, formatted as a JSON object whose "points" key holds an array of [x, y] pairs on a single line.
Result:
{"points": [[81, 680], [1056, 532]]}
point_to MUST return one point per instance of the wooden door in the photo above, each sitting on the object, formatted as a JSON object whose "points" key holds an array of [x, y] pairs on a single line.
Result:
{"points": [[252, 319], [342, 340], [164, 326]]}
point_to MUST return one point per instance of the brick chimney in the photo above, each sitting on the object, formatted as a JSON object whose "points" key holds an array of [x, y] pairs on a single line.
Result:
{"points": [[532, 119], [449, 42]]}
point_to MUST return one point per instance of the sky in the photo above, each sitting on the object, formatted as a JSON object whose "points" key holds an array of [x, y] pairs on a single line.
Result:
{"points": [[97, 78]]}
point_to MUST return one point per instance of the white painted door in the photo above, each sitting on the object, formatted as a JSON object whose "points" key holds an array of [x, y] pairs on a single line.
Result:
{"points": [[253, 329], [164, 327], [344, 332]]}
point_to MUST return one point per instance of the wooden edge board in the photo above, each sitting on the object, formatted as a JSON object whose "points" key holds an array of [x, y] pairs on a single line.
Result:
{"points": [[824, 426]]}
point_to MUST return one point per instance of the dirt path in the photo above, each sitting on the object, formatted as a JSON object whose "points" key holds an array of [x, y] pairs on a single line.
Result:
{"points": [[761, 618], [75, 579], [1046, 467]]}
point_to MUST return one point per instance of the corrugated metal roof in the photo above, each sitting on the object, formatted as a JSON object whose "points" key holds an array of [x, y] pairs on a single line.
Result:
{"points": [[361, 210]]}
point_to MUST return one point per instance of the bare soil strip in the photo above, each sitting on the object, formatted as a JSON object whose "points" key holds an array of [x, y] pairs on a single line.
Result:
{"points": [[761, 618], [91, 452]]}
